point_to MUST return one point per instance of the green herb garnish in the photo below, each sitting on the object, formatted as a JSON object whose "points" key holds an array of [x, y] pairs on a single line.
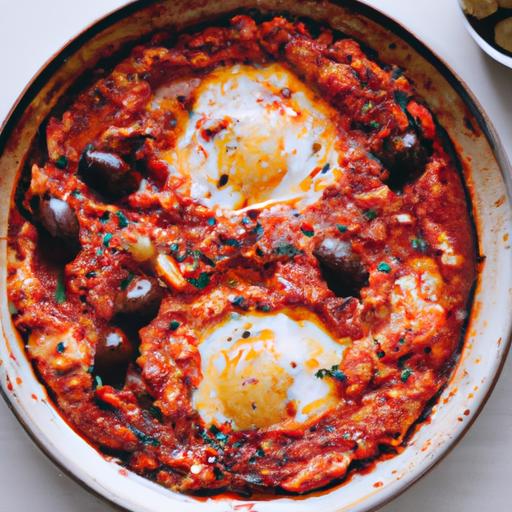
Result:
{"points": [[173, 325], [122, 221], [61, 347], [60, 290], [334, 373], [384, 267], [375, 125], [406, 373], [367, 107], [106, 239], [231, 242], [419, 244], [219, 435], [258, 230], [342, 228], [200, 282], [105, 217], [287, 250], [238, 301], [98, 383], [61, 162], [211, 221], [307, 232], [370, 214], [144, 438]]}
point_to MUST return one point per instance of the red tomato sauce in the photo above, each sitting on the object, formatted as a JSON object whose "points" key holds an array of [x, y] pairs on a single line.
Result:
{"points": [[115, 272]]}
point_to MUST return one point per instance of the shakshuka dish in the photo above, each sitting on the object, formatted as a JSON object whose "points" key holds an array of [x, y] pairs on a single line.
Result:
{"points": [[244, 259]]}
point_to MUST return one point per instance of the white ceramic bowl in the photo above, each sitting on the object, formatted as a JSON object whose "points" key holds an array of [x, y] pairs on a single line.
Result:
{"points": [[484, 45], [487, 174]]}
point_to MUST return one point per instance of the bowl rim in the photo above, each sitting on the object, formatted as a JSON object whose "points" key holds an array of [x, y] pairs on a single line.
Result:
{"points": [[496, 54], [377, 15]]}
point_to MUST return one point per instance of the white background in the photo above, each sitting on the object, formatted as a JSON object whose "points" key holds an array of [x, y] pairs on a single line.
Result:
{"points": [[477, 475]]}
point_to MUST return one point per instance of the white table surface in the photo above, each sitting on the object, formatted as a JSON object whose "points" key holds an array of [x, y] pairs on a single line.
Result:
{"points": [[477, 475]]}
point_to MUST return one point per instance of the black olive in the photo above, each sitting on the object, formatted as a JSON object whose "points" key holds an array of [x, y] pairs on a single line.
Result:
{"points": [[107, 173], [405, 157], [341, 268], [58, 218], [113, 349], [141, 298]]}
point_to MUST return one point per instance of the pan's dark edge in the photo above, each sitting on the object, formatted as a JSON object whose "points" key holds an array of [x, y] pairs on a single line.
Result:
{"points": [[50, 67]]}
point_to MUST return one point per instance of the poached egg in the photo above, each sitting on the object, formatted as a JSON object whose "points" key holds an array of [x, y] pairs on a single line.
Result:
{"points": [[260, 370], [256, 136]]}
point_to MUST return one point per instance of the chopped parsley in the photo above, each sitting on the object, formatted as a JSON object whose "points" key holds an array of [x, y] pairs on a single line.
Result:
{"points": [[260, 452], [406, 373], [98, 383], [61, 162], [334, 373], [200, 282], [419, 244], [105, 217], [107, 238], [144, 438], [90, 274], [381, 354], [61, 347], [384, 267], [308, 232], [231, 242], [60, 290], [173, 325], [342, 228], [325, 168], [211, 221], [76, 193], [219, 435], [367, 107], [258, 230], [126, 281], [122, 221], [239, 301], [370, 214], [375, 125], [287, 250]]}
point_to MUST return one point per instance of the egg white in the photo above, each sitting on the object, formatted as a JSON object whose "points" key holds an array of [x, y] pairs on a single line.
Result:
{"points": [[261, 130], [259, 370]]}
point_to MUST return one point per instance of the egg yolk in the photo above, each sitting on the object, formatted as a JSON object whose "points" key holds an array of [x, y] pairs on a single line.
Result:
{"points": [[259, 370], [256, 135]]}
